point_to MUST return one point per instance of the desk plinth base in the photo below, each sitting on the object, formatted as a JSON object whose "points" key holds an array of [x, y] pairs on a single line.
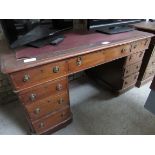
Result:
{"points": [[53, 129]]}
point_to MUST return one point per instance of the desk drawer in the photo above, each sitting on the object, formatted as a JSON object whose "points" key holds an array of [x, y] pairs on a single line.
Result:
{"points": [[51, 121], [153, 52], [30, 77], [132, 69], [151, 62], [148, 73], [140, 45], [47, 105], [130, 80], [93, 59], [36, 93], [135, 57]]}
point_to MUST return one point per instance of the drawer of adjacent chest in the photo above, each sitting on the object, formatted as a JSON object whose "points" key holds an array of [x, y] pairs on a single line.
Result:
{"points": [[33, 76], [149, 73], [140, 45], [99, 57], [42, 91], [128, 70], [151, 62], [130, 80], [135, 57], [51, 121], [48, 105], [153, 52]]}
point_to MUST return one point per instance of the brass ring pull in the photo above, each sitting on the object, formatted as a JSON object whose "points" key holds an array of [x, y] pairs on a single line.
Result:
{"points": [[56, 69], [33, 97], [37, 111], [59, 87], [26, 78], [79, 61]]}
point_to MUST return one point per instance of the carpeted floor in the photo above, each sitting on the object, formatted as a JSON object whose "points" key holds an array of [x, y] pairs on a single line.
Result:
{"points": [[95, 111]]}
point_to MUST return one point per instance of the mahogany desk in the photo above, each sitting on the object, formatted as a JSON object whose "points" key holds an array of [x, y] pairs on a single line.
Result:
{"points": [[42, 85], [147, 70]]}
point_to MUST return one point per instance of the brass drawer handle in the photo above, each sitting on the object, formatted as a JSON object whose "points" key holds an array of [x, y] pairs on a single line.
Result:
{"points": [[59, 87], [135, 77], [145, 42], [130, 57], [62, 114], [37, 111], [140, 55], [33, 97], [123, 50], [26, 78], [56, 69], [61, 101], [79, 61], [127, 71], [135, 46], [126, 82], [42, 125]]}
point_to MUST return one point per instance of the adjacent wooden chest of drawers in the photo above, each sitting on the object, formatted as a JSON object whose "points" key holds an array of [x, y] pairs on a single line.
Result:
{"points": [[42, 86]]}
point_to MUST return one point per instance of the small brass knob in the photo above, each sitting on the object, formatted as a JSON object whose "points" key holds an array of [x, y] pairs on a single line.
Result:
{"points": [[26, 78], [59, 87], [37, 111], [79, 61], [56, 69], [61, 100], [33, 97], [41, 125]]}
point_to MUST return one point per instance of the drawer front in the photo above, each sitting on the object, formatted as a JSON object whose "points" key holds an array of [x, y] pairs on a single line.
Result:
{"points": [[47, 105], [99, 57], [140, 45], [42, 91], [151, 62], [135, 57], [130, 80], [148, 73], [153, 52], [132, 69], [51, 121], [40, 74]]}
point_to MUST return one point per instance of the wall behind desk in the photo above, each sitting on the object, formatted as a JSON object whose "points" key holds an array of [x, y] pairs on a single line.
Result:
{"points": [[6, 93]]}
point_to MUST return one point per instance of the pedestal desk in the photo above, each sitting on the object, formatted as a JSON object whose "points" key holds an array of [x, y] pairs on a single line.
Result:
{"points": [[41, 79]]}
